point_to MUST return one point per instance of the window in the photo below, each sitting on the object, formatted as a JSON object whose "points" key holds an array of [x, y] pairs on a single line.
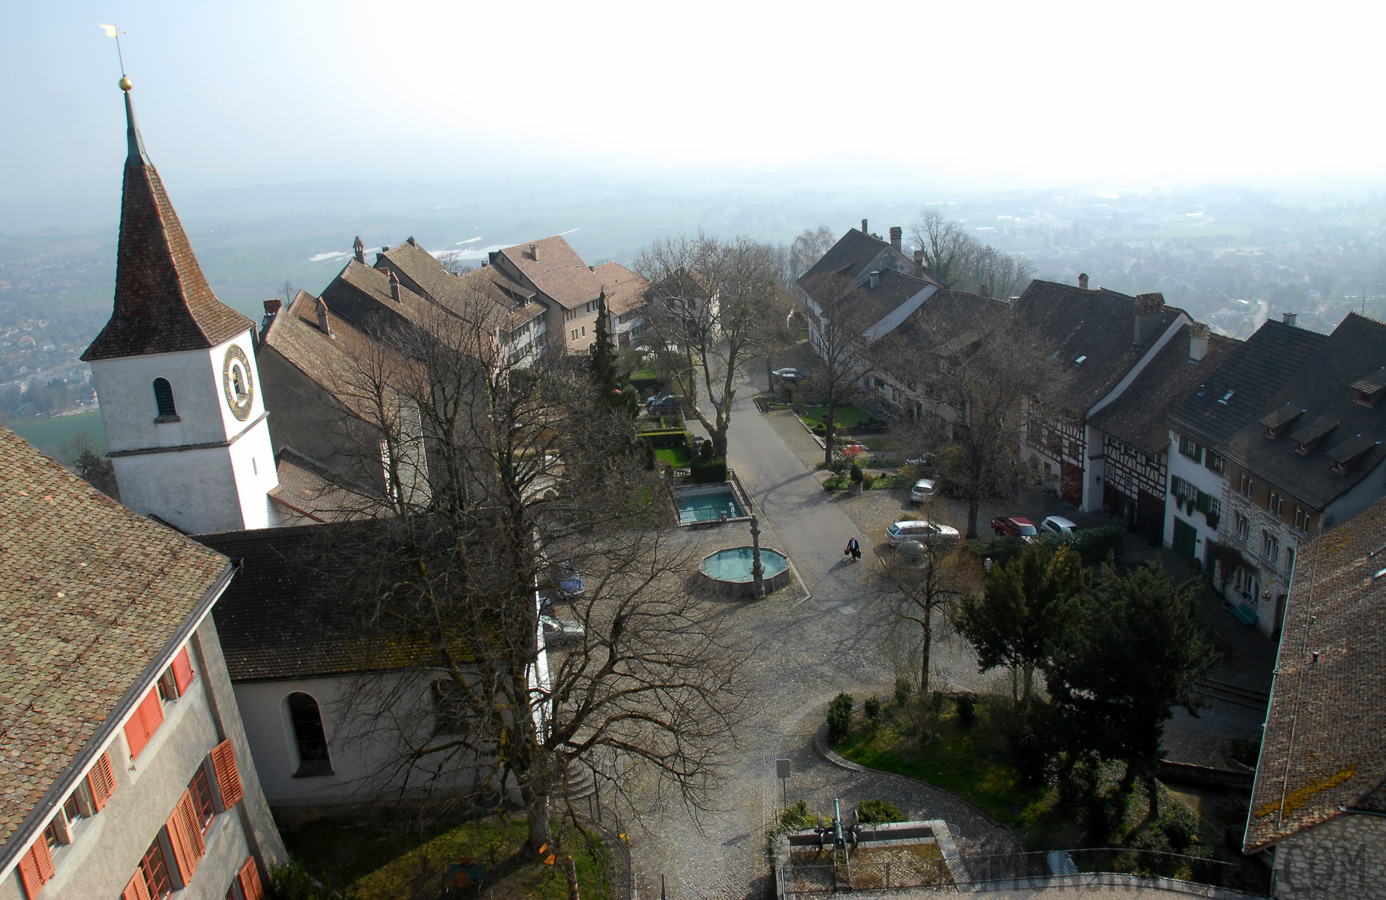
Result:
{"points": [[574, 334], [163, 401], [1270, 546], [228, 776], [1213, 461], [1214, 506], [176, 678], [569, 315], [1243, 527], [584, 331], [1275, 503], [1290, 560], [1246, 484], [1301, 518], [35, 868], [248, 880], [146, 720], [151, 881], [200, 789], [185, 836], [1190, 449], [309, 738]]}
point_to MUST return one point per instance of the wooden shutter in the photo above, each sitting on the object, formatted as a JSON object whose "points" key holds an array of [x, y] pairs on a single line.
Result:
{"points": [[35, 868], [144, 722], [250, 880], [185, 834], [101, 782], [228, 777], [182, 670], [136, 889]]}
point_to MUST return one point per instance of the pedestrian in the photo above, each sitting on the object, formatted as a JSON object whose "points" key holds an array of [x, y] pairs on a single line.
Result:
{"points": [[853, 549]]}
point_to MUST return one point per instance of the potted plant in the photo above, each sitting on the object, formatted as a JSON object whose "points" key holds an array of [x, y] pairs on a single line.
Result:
{"points": [[857, 476]]}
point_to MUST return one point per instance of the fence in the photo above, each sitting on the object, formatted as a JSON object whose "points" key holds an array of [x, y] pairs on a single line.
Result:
{"points": [[916, 866]]}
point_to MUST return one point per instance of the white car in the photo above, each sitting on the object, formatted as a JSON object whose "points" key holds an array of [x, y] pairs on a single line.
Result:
{"points": [[919, 530], [923, 490], [1064, 528]]}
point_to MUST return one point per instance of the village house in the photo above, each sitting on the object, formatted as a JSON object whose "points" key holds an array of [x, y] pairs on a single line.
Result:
{"points": [[1319, 799], [562, 281], [126, 772]]}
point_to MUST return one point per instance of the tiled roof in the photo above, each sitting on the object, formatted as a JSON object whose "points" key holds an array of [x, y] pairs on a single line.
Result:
{"points": [[468, 297], [283, 616], [559, 272], [311, 490], [1319, 394], [947, 322], [163, 303], [91, 594], [1241, 389], [1090, 333], [1137, 417], [342, 364], [1322, 753], [625, 291]]}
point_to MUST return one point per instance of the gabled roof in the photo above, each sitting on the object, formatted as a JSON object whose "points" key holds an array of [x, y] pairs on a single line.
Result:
{"points": [[1241, 390], [163, 303], [517, 303], [363, 294], [625, 291], [1319, 401], [555, 269], [91, 597], [342, 363], [947, 323], [312, 490], [468, 297], [855, 255], [1091, 334], [1137, 418], [1322, 753]]}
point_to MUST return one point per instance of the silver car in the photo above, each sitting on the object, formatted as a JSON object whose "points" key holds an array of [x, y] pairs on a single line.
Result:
{"points": [[923, 490], [919, 530], [1060, 526]]}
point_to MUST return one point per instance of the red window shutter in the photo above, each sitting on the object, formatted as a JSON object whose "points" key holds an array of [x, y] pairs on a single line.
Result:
{"points": [[182, 670], [101, 781], [35, 868], [136, 889], [228, 777], [250, 880], [144, 722], [186, 837]]}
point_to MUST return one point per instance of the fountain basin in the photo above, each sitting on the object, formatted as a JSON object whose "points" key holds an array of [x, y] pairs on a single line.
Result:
{"points": [[730, 570]]}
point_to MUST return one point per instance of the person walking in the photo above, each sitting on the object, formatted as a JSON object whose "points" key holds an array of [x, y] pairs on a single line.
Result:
{"points": [[853, 549]]}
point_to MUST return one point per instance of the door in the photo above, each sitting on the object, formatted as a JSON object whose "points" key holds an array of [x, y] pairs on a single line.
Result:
{"points": [[1071, 484], [1185, 539]]}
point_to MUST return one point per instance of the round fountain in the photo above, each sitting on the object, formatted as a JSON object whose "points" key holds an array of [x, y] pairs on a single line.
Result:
{"points": [[730, 570]]}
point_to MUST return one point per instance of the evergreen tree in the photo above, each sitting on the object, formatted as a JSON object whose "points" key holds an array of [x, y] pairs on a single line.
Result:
{"points": [[604, 367]]}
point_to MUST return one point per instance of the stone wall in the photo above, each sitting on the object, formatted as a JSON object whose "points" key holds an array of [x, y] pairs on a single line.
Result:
{"points": [[1344, 857]]}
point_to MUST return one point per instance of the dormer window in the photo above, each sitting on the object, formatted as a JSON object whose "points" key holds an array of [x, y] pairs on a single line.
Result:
{"points": [[1350, 452], [1308, 437], [163, 402], [1276, 422], [1371, 389]]}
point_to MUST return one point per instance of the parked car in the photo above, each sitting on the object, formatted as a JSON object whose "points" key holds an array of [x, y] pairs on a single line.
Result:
{"points": [[559, 574], [1058, 525], [923, 490], [790, 374], [561, 631], [1014, 526], [919, 530], [664, 403]]}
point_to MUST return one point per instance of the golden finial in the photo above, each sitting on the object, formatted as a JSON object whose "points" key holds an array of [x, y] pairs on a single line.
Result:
{"points": [[126, 83]]}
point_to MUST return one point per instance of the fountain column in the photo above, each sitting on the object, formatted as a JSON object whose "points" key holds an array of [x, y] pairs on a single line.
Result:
{"points": [[757, 571]]}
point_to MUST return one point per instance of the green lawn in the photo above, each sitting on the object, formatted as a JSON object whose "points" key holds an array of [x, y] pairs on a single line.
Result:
{"points": [[678, 457], [367, 863], [845, 416]]}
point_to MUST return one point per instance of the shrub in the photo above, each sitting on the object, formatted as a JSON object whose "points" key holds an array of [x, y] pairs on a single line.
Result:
{"points": [[289, 881], [874, 712], [967, 711], [856, 474], [867, 481], [708, 471], [1096, 544], [904, 688], [878, 812], [839, 717], [798, 817]]}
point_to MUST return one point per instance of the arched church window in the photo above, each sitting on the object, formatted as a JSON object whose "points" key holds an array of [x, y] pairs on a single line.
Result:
{"points": [[163, 399], [309, 738]]}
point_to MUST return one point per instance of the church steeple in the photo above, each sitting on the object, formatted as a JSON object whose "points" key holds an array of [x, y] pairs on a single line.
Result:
{"points": [[163, 303]]}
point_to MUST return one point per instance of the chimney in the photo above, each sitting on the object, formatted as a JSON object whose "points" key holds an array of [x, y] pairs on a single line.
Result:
{"points": [[324, 325], [534, 252], [982, 290], [1149, 310], [359, 248], [875, 280], [1083, 281], [394, 288], [863, 227], [895, 235], [411, 242], [1198, 342], [272, 308], [919, 258], [1289, 318]]}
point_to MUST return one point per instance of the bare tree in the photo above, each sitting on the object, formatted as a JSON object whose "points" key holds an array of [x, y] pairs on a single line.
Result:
{"points": [[922, 582], [715, 302], [808, 248], [955, 258], [527, 466], [838, 333]]}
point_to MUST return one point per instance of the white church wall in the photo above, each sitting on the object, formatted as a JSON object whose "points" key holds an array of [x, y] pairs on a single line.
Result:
{"points": [[128, 410]]}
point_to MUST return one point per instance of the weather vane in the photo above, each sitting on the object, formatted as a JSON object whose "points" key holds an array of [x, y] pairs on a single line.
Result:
{"points": [[113, 31]]}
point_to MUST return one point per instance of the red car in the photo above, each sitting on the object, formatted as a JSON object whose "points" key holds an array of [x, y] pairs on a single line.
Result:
{"points": [[1014, 526]]}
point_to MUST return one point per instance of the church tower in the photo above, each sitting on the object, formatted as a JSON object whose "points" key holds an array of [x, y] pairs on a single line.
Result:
{"points": [[175, 374]]}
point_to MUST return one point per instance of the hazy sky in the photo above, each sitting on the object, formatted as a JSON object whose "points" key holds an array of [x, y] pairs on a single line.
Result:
{"points": [[1016, 94]]}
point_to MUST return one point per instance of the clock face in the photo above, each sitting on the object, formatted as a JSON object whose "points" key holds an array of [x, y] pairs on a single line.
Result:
{"points": [[236, 383]]}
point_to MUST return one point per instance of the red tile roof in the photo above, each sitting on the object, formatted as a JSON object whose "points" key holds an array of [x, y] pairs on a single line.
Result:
{"points": [[557, 271], [91, 595]]}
